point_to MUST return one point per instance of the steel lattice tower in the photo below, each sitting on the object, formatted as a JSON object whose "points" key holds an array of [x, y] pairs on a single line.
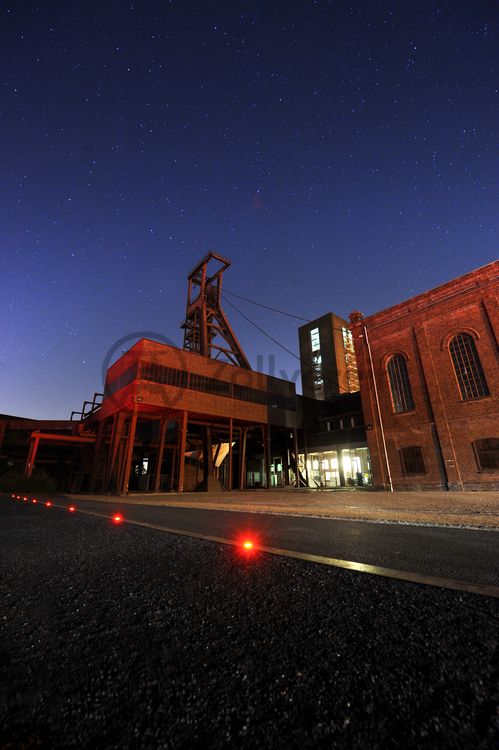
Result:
{"points": [[206, 328]]}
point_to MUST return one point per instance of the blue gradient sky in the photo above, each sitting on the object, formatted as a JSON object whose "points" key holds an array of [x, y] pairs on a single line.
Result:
{"points": [[342, 155]]}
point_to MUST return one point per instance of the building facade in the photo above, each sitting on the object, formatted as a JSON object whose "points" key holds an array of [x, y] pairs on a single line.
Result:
{"points": [[327, 358], [333, 446], [426, 416], [429, 380], [174, 419]]}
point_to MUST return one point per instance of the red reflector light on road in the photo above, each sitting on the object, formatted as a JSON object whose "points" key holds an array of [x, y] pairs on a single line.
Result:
{"points": [[71, 508], [248, 543], [48, 504], [117, 518], [34, 500], [25, 499]]}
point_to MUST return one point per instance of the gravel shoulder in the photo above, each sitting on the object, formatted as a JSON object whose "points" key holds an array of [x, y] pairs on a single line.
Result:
{"points": [[469, 509]]}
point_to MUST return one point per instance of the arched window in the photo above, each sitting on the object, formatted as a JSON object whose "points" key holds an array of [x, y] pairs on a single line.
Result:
{"points": [[468, 368], [399, 384]]}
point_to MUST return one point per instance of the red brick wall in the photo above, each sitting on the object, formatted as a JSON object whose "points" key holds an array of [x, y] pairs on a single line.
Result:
{"points": [[441, 423]]}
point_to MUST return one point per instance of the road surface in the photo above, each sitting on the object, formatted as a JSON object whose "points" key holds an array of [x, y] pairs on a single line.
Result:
{"points": [[127, 637], [457, 554]]}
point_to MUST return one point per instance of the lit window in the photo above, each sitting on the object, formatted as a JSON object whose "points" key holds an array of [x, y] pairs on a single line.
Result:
{"points": [[468, 368], [317, 364], [487, 453], [399, 384], [315, 340], [317, 375], [347, 462], [347, 337], [350, 361], [412, 460]]}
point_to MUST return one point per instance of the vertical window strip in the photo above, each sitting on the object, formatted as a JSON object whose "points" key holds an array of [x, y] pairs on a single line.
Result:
{"points": [[468, 368], [315, 341], [399, 384]]}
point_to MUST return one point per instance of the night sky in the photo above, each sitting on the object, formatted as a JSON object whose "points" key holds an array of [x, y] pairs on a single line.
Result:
{"points": [[343, 155]]}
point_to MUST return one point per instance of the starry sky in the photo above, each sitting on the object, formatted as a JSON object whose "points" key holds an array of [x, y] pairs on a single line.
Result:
{"points": [[343, 155]]}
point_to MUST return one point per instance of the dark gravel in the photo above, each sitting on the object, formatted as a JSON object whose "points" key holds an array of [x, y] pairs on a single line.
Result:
{"points": [[118, 636]]}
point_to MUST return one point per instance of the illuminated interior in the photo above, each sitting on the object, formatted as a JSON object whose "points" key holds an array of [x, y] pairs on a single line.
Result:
{"points": [[348, 467]]}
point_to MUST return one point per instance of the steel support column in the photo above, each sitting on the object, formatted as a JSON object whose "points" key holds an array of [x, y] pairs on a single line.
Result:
{"points": [[266, 454], [231, 426], [119, 420], [163, 422], [297, 465], [285, 460], [207, 456], [305, 457], [173, 465], [182, 440], [242, 457], [129, 450], [120, 465], [30, 462]]}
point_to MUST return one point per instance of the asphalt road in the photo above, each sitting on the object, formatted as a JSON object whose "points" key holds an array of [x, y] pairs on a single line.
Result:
{"points": [[462, 554], [127, 637]]}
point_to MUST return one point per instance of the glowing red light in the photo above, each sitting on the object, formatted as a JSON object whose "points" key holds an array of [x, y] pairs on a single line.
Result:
{"points": [[48, 504], [71, 508], [25, 499], [117, 518], [247, 543], [34, 500], [14, 496]]}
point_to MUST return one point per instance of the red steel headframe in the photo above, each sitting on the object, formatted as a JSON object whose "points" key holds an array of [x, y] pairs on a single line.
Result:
{"points": [[206, 328]]}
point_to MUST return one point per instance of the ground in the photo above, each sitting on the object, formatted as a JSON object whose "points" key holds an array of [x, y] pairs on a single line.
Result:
{"points": [[474, 509], [121, 636]]}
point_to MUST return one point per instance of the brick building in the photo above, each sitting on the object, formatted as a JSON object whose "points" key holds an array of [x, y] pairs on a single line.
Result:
{"points": [[170, 418], [429, 381]]}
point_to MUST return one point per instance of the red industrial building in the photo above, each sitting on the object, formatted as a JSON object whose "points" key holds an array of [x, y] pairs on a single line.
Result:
{"points": [[183, 419], [429, 381], [198, 418]]}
